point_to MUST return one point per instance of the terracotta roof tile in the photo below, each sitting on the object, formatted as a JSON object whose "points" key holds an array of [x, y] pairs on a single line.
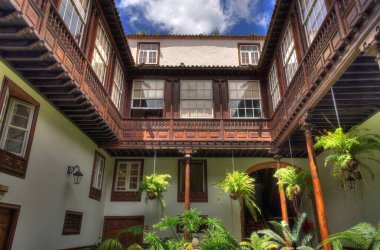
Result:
{"points": [[196, 37]]}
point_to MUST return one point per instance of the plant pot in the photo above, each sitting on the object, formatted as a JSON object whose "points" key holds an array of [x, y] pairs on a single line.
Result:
{"points": [[151, 196], [234, 196], [352, 166]]}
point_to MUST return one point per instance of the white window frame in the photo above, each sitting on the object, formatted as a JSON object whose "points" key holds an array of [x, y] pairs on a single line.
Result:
{"points": [[7, 125], [288, 53], [147, 97], [126, 188], [117, 86], [97, 181], [102, 51], [253, 99], [4, 107], [252, 60], [315, 13], [196, 99], [148, 53], [63, 10], [274, 86]]}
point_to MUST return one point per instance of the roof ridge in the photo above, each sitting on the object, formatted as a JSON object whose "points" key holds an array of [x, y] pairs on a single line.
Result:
{"points": [[194, 36]]}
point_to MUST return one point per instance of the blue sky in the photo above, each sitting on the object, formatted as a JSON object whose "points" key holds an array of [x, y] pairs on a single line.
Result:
{"points": [[232, 17]]}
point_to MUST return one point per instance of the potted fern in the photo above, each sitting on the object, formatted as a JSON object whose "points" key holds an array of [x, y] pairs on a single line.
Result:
{"points": [[155, 185], [240, 185], [348, 152], [295, 182]]}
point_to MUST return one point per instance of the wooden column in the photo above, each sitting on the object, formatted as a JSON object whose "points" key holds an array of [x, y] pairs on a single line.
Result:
{"points": [[316, 186], [186, 235], [284, 209]]}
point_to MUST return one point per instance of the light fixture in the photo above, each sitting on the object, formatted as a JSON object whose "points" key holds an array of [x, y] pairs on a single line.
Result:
{"points": [[75, 171]]}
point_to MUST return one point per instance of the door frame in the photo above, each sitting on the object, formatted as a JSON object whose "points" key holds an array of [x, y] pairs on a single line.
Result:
{"points": [[12, 230], [122, 217]]}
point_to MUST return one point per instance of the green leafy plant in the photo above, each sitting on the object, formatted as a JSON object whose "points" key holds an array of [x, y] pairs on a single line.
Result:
{"points": [[348, 152], [295, 183], [114, 242], [257, 242], [240, 186], [282, 233], [155, 185], [111, 244], [362, 236]]}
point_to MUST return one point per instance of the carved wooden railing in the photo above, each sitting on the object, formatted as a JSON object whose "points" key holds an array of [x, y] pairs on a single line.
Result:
{"points": [[50, 27], [333, 35], [196, 130]]}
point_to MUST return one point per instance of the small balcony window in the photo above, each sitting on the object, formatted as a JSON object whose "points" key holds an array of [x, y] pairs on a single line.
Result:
{"points": [[274, 86], [249, 54], [72, 18], [101, 53], [288, 53], [196, 99], [313, 12], [148, 53], [245, 99], [117, 86]]}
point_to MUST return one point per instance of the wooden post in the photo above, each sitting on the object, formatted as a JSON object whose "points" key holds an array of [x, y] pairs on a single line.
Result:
{"points": [[316, 186], [284, 209], [186, 235]]}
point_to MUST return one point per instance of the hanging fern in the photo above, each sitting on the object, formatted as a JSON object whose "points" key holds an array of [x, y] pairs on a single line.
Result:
{"points": [[155, 185], [242, 186], [295, 182], [348, 152]]}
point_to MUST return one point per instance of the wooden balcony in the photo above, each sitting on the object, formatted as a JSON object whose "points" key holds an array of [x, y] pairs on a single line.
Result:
{"points": [[334, 47], [36, 42]]}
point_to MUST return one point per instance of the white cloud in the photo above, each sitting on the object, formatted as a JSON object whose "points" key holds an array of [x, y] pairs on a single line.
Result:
{"points": [[193, 16]]}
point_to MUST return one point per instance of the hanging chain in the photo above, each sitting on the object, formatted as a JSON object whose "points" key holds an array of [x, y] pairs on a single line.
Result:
{"points": [[335, 107], [154, 162], [291, 151], [233, 162]]}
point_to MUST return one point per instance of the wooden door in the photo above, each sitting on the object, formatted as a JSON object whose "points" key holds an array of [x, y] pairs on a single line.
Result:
{"points": [[113, 226], [8, 221]]}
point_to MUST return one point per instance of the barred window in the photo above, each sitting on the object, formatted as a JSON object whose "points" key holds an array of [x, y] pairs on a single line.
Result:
{"points": [[313, 12], [245, 99], [72, 223], [274, 86], [117, 87], [196, 99], [288, 53]]}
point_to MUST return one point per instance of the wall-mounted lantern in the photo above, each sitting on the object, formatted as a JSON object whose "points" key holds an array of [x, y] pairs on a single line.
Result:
{"points": [[75, 171]]}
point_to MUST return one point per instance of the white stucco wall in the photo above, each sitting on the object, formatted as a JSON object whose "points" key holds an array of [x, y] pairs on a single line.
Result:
{"points": [[46, 192], [196, 52], [346, 209], [226, 210]]}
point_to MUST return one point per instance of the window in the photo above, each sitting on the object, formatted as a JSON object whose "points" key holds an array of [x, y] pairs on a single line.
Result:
{"points": [[196, 99], [249, 54], [313, 13], [198, 181], [127, 177], [72, 223], [18, 116], [274, 86], [101, 53], [245, 99], [148, 53], [72, 18], [117, 87], [97, 176], [288, 53], [148, 94], [17, 127]]}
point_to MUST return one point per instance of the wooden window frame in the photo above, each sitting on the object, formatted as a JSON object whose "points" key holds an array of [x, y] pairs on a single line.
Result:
{"points": [[10, 163], [64, 228], [81, 19], [158, 52], [95, 193], [239, 54], [133, 196], [12, 230], [194, 197], [274, 91], [196, 100], [117, 85], [253, 99], [285, 57], [107, 61], [147, 98]]}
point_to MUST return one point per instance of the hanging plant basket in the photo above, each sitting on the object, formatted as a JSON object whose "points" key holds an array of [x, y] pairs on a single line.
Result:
{"points": [[151, 196], [234, 196]]}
